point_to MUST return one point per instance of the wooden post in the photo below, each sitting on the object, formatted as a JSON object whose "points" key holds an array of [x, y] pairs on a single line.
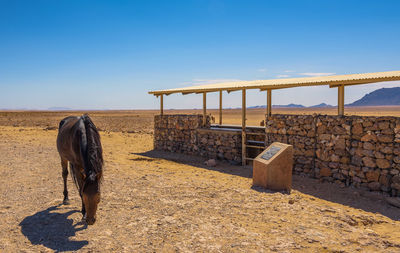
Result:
{"points": [[243, 108], [204, 108], [269, 103], [220, 107], [244, 127], [341, 100], [161, 104]]}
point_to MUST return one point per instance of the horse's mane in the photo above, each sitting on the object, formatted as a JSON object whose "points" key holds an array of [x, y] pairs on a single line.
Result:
{"points": [[94, 152]]}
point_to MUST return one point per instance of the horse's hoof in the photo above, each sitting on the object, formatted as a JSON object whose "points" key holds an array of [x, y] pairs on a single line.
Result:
{"points": [[66, 202]]}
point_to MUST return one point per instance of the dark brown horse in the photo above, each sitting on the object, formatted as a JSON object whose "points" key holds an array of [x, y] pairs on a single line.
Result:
{"points": [[78, 142]]}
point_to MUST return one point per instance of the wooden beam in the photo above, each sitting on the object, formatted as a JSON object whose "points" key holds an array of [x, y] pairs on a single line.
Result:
{"points": [[269, 103], [244, 127], [220, 107], [335, 85], [204, 108], [161, 104], [341, 100], [295, 82]]}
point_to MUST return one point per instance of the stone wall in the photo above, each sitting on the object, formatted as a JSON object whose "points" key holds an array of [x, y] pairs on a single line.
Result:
{"points": [[219, 144], [186, 134], [349, 150]]}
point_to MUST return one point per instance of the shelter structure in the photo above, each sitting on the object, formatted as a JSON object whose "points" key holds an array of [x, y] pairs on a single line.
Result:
{"points": [[335, 81]]}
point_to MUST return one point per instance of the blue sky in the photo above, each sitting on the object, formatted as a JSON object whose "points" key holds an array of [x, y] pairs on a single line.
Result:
{"points": [[108, 54]]}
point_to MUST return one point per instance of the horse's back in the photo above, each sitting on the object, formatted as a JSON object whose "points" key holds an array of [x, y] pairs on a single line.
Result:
{"points": [[67, 139], [66, 120]]}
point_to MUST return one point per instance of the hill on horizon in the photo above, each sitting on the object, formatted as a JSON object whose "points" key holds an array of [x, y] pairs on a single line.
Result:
{"points": [[322, 105], [56, 108], [380, 97], [275, 106], [383, 96]]}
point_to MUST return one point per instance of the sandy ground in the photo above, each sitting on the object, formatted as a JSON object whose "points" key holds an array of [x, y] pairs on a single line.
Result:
{"points": [[141, 121], [163, 202]]}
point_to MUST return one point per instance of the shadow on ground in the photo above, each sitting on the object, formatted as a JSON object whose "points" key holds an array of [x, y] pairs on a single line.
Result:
{"points": [[369, 201], [373, 202], [52, 229], [196, 161]]}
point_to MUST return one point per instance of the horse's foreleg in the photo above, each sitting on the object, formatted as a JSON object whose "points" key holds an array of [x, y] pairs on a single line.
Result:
{"points": [[64, 165], [80, 185], [83, 210]]}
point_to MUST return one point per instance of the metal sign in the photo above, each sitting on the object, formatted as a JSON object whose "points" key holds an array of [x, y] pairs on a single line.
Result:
{"points": [[270, 152]]}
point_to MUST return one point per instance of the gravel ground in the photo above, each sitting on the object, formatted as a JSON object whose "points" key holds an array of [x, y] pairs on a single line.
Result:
{"points": [[154, 201]]}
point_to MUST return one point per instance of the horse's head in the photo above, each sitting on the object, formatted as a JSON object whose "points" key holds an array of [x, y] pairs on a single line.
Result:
{"points": [[91, 198]]}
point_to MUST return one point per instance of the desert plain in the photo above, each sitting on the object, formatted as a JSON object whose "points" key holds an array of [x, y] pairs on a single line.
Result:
{"points": [[155, 201]]}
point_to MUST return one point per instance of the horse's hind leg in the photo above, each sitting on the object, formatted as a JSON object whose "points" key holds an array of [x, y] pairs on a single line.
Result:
{"points": [[64, 165]]}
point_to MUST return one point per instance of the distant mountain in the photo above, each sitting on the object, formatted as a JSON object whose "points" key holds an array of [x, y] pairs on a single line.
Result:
{"points": [[288, 106], [384, 96], [256, 107], [276, 106], [322, 105], [59, 109], [15, 109]]}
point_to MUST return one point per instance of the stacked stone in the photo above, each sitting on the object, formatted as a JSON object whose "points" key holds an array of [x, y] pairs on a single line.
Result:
{"points": [[275, 129], [350, 150], [186, 134], [353, 150], [296, 130], [395, 183], [332, 151], [220, 145], [373, 149], [177, 133]]}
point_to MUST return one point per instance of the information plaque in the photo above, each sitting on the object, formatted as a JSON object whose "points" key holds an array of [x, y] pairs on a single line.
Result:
{"points": [[272, 169], [271, 151]]}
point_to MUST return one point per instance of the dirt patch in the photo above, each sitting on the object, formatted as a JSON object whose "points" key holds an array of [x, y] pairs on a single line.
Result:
{"points": [[155, 201], [111, 121]]}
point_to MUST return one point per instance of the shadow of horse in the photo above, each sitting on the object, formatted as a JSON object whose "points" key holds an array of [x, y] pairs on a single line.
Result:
{"points": [[52, 230]]}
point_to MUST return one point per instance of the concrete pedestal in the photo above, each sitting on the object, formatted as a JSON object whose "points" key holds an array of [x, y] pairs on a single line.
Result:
{"points": [[272, 169]]}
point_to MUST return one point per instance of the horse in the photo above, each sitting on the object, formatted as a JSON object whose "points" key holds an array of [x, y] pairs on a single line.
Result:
{"points": [[78, 142]]}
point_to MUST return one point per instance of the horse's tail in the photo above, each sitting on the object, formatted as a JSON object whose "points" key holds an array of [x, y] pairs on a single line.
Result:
{"points": [[93, 153]]}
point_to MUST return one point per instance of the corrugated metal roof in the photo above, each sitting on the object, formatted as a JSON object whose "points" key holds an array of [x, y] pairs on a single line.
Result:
{"points": [[332, 81]]}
